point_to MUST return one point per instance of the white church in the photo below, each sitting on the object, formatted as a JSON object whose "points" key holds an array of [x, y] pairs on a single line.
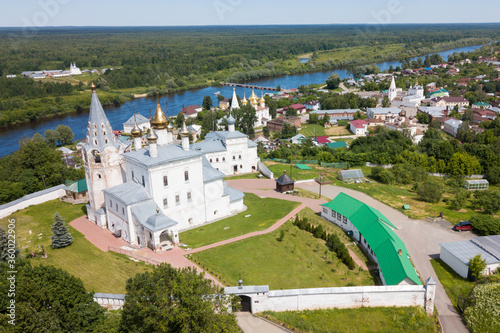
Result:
{"points": [[261, 110], [147, 195]]}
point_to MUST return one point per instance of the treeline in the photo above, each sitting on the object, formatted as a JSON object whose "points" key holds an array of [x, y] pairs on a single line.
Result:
{"points": [[18, 110], [433, 154], [333, 241], [35, 166]]}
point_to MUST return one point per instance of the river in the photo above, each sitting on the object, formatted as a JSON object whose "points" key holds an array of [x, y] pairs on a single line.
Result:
{"points": [[9, 138]]}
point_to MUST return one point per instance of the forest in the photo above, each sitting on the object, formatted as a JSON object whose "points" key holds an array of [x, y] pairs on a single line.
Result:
{"points": [[170, 59]]}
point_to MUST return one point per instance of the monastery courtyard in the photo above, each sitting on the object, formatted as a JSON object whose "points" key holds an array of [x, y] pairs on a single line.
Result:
{"points": [[422, 238]]}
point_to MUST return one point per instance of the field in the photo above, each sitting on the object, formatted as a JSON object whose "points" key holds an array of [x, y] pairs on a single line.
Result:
{"points": [[99, 271], [411, 319], [312, 130], [263, 214], [298, 261]]}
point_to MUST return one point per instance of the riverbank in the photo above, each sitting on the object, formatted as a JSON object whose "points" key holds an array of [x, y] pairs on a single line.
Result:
{"points": [[38, 110]]}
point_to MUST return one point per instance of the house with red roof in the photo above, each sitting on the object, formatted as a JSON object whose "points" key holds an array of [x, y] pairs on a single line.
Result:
{"points": [[321, 140], [301, 109], [359, 127], [191, 111]]}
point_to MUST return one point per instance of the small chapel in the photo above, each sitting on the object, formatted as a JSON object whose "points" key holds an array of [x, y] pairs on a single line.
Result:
{"points": [[148, 194]]}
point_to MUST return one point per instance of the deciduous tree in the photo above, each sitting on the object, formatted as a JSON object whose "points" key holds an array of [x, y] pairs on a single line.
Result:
{"points": [[48, 300], [176, 300], [65, 134]]}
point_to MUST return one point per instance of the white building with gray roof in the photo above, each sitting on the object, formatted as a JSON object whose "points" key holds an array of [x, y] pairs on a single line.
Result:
{"points": [[230, 152], [142, 122], [457, 254], [147, 195], [382, 113]]}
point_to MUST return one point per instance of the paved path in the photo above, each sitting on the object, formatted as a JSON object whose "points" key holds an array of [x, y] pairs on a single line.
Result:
{"points": [[422, 240], [101, 238], [251, 324]]}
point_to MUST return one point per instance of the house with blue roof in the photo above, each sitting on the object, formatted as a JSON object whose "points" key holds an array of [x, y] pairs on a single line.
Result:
{"points": [[375, 233]]}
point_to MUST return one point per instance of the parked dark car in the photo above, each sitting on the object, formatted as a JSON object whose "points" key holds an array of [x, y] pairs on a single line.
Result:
{"points": [[465, 225]]}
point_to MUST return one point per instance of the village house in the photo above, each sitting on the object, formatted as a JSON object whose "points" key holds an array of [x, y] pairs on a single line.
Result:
{"points": [[340, 114], [451, 102], [191, 111], [359, 127], [382, 113], [142, 122], [277, 125], [451, 126]]}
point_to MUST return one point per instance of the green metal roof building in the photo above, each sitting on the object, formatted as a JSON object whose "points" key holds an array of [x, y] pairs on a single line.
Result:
{"points": [[338, 144], [375, 234]]}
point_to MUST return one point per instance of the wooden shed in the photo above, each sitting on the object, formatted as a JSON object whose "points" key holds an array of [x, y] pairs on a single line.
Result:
{"points": [[284, 183]]}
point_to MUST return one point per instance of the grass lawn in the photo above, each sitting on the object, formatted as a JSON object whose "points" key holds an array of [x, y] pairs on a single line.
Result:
{"points": [[298, 261], [263, 214], [332, 228], [99, 271], [403, 319], [312, 130], [297, 174], [453, 284], [398, 195]]}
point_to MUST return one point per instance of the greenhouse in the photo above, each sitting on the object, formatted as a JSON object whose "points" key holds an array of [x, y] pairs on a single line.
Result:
{"points": [[476, 184], [351, 176]]}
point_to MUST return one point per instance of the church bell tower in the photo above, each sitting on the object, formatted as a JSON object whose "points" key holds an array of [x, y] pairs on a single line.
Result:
{"points": [[102, 160]]}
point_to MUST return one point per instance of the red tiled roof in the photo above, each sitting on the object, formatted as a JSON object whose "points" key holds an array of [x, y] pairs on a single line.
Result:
{"points": [[297, 106], [190, 109], [359, 123], [322, 139]]}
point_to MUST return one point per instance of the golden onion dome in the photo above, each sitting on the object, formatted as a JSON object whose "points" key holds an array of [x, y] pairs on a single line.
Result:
{"points": [[253, 97], [184, 132], [159, 121], [136, 131], [152, 136]]}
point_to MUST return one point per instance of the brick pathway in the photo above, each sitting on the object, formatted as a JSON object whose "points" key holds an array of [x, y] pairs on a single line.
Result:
{"points": [[101, 238]]}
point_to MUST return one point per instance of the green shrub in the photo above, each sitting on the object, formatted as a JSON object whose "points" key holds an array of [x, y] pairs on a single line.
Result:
{"points": [[485, 225], [484, 315]]}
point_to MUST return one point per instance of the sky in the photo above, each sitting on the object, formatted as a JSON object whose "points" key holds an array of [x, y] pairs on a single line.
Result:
{"points": [[42, 13]]}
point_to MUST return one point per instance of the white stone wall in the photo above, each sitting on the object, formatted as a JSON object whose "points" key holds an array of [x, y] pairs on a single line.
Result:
{"points": [[53, 193], [110, 301], [343, 297]]}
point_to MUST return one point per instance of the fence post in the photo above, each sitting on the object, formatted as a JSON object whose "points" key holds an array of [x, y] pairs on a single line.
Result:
{"points": [[430, 295]]}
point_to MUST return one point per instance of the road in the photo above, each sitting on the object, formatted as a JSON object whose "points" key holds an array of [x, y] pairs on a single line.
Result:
{"points": [[250, 324], [422, 240]]}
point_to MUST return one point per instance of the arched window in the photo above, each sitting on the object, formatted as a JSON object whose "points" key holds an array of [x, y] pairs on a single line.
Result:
{"points": [[217, 159], [223, 159], [97, 156]]}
